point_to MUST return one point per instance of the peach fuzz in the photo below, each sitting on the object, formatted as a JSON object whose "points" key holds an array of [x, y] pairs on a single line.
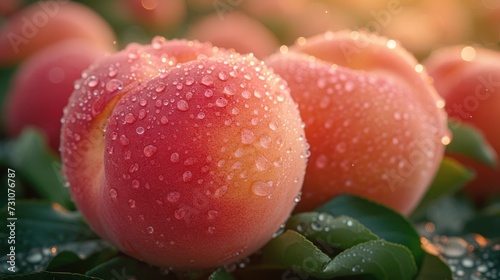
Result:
{"points": [[181, 154], [42, 85], [47, 22], [373, 121], [468, 78]]}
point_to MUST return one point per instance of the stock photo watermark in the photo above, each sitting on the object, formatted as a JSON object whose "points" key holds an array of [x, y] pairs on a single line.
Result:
{"points": [[32, 25], [225, 6], [11, 219]]}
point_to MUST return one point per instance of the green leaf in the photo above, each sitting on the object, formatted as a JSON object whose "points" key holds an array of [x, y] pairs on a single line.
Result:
{"points": [[377, 258], [221, 274], [450, 178], [324, 230], [30, 157], [434, 267], [123, 267], [50, 276], [468, 141], [382, 221], [71, 262], [44, 228]]}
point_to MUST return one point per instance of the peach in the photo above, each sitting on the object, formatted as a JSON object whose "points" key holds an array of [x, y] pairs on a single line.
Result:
{"points": [[42, 85], [182, 154], [373, 121], [155, 14], [47, 22], [468, 78], [235, 30]]}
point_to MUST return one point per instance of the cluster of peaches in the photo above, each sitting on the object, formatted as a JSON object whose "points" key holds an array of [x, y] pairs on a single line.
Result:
{"points": [[188, 147]]}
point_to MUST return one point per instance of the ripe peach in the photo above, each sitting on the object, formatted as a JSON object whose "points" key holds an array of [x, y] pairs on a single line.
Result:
{"points": [[468, 78], [47, 22], [155, 14], [373, 121], [235, 30], [181, 154], [42, 85]]}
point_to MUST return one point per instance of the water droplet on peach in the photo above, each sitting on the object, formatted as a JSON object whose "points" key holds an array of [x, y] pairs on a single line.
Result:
{"points": [[262, 189], [113, 193], [187, 176], [246, 136], [207, 80], [174, 157], [182, 105], [173, 196], [139, 130], [150, 150]]}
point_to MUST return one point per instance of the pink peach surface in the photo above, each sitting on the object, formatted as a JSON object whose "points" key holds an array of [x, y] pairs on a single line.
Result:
{"points": [[181, 154], [468, 78], [42, 85], [47, 22], [374, 123]]}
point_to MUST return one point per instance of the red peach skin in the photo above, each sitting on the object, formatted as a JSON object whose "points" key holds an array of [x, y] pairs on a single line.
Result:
{"points": [[42, 85], [183, 155], [372, 121], [469, 80], [48, 22]]}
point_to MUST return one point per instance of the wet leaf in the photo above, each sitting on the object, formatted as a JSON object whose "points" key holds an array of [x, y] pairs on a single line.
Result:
{"points": [[377, 258], [382, 221], [468, 141]]}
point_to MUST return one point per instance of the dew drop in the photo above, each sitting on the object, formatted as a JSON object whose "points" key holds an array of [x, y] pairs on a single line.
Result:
{"points": [[150, 150], [262, 189], [212, 214], [159, 87], [208, 93], [131, 203], [246, 136], [201, 115], [130, 118], [187, 176], [164, 120], [124, 140], [228, 90], [261, 163], [150, 229], [182, 105], [189, 81], [265, 141], [113, 193], [341, 147], [207, 80], [238, 153], [221, 191], [173, 196], [273, 125], [135, 184], [180, 213], [221, 102], [114, 85], [174, 157], [321, 161], [223, 76], [246, 94], [92, 81], [139, 130]]}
